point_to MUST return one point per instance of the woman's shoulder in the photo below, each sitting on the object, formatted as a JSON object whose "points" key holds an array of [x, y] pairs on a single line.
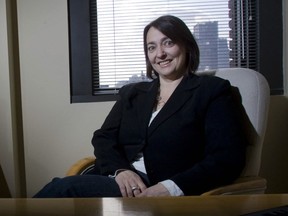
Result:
{"points": [[212, 85], [137, 85], [131, 89], [212, 80]]}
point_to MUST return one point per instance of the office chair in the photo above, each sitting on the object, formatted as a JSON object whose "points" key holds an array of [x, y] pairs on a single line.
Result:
{"points": [[255, 96]]}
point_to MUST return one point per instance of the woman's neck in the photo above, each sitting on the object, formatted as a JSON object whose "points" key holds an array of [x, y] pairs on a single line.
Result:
{"points": [[169, 85], [165, 90]]}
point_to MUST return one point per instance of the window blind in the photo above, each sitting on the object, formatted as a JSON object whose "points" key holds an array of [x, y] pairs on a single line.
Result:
{"points": [[222, 29], [251, 30]]}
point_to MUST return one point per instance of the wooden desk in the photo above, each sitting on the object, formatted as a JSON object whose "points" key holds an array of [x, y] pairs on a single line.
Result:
{"points": [[195, 205]]}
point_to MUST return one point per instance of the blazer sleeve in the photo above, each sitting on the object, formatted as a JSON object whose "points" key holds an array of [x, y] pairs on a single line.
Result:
{"points": [[225, 144], [110, 155]]}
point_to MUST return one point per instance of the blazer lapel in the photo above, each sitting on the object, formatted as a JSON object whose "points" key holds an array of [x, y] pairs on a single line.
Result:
{"points": [[145, 103], [181, 94]]}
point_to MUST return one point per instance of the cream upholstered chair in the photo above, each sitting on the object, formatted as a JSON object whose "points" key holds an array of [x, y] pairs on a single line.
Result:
{"points": [[255, 95]]}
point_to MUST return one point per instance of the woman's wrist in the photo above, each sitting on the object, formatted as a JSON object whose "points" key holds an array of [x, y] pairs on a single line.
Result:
{"points": [[116, 173]]}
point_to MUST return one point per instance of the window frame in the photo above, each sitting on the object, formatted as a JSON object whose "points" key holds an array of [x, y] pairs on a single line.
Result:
{"points": [[271, 66], [80, 55], [271, 20]]}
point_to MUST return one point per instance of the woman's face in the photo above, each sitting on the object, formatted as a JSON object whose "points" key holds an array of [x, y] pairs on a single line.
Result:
{"points": [[167, 58]]}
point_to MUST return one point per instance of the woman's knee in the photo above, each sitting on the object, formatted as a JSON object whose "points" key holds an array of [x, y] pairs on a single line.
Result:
{"points": [[80, 186], [58, 187]]}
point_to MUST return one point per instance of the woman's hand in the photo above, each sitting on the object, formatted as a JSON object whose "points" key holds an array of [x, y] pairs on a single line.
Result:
{"points": [[154, 191], [130, 183]]}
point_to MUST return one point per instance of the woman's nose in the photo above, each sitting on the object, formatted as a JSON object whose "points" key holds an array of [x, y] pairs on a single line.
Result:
{"points": [[161, 52]]}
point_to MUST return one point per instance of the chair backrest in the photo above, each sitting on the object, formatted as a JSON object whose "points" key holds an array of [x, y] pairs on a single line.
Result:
{"points": [[255, 94]]}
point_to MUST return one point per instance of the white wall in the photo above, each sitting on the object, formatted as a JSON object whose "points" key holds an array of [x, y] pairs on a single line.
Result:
{"points": [[6, 137], [56, 133], [275, 148]]}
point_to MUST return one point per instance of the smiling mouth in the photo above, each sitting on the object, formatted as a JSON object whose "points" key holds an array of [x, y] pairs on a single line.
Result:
{"points": [[164, 63]]}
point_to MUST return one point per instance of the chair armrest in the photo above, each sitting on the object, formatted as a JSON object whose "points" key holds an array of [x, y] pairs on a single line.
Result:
{"points": [[243, 185], [80, 166]]}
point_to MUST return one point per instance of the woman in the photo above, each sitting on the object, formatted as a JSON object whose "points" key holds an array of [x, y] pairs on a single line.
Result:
{"points": [[177, 135]]}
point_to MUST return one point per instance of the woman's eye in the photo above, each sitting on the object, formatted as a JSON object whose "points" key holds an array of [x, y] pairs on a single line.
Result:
{"points": [[168, 43], [151, 48]]}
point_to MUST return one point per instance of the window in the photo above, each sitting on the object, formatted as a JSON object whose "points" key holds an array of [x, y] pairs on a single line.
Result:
{"points": [[106, 49]]}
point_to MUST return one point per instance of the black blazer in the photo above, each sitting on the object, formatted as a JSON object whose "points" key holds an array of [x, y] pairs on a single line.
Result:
{"points": [[196, 140]]}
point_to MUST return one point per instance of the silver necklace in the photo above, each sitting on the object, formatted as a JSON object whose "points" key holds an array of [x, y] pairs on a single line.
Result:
{"points": [[160, 102]]}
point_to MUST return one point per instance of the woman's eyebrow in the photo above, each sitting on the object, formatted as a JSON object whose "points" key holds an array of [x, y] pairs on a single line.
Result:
{"points": [[161, 41], [151, 43]]}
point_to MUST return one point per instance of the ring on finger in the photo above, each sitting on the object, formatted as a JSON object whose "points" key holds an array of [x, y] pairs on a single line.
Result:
{"points": [[133, 188]]}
